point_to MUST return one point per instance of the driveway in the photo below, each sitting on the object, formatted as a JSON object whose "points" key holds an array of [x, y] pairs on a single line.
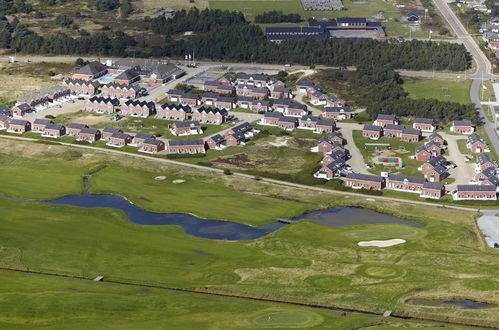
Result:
{"points": [[65, 108], [357, 160], [464, 171]]}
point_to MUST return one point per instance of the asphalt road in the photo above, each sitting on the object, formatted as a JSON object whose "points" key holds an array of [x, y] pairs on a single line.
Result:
{"points": [[483, 71]]}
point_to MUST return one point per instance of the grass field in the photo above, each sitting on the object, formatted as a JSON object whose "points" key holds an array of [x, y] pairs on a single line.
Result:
{"points": [[28, 78], [445, 259], [76, 304], [450, 90]]}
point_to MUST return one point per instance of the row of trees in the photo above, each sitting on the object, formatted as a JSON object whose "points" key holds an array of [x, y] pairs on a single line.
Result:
{"points": [[275, 16], [227, 35], [384, 93]]}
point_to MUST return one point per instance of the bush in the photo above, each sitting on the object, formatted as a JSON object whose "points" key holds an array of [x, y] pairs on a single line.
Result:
{"points": [[106, 5], [63, 20], [178, 156], [50, 117], [228, 172]]}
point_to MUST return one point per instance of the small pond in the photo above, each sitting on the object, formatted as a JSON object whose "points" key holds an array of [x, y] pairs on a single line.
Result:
{"points": [[464, 304]]}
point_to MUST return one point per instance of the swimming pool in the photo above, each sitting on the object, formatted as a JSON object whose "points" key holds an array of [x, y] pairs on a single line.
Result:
{"points": [[106, 79]]}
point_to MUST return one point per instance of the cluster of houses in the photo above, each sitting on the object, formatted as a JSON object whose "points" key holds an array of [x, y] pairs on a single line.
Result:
{"points": [[386, 125], [335, 155], [147, 143], [435, 167], [50, 97]]}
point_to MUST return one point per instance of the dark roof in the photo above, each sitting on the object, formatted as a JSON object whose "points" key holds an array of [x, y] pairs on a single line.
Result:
{"points": [[217, 138], [165, 71], [174, 92], [211, 95], [140, 103], [221, 112], [309, 118], [304, 83], [489, 171], [110, 129], [54, 126], [92, 68], [4, 117], [440, 169], [282, 102], [99, 99], [153, 142], [382, 116], [322, 122], [365, 177], [246, 99], [411, 131], [461, 123], [420, 149], [288, 119], [282, 90], [144, 136], [121, 86], [472, 187], [372, 128], [435, 135], [253, 77], [432, 143], [474, 138], [190, 96], [4, 109], [238, 136], [424, 121], [396, 127], [87, 130], [337, 154], [244, 127], [77, 126], [177, 107], [129, 74], [297, 106], [19, 122], [224, 99], [120, 135], [438, 160], [411, 179], [272, 114], [336, 165], [337, 109], [186, 123], [484, 158], [350, 20], [185, 142], [42, 121], [24, 107], [431, 185]]}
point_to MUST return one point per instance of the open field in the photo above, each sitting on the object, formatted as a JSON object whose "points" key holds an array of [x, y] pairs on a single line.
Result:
{"points": [[79, 304], [449, 90], [28, 78], [445, 259]]}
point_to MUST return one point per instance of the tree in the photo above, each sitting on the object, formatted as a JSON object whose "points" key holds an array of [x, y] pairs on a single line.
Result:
{"points": [[106, 5], [63, 20], [5, 38]]}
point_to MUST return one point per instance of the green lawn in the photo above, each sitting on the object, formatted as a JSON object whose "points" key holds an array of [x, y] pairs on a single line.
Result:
{"points": [[400, 149], [305, 261], [76, 304], [451, 90]]}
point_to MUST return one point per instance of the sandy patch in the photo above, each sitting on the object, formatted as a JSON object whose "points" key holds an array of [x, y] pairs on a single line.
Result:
{"points": [[384, 243], [279, 142], [178, 181], [160, 178], [92, 120]]}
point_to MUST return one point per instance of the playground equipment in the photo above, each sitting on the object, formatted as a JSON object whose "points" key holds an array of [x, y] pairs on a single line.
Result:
{"points": [[390, 161]]}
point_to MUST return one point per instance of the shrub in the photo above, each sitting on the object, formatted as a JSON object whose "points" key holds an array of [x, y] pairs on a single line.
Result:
{"points": [[106, 5]]}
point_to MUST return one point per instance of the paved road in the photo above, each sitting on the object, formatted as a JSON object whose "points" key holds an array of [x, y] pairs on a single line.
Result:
{"points": [[483, 71], [220, 172]]}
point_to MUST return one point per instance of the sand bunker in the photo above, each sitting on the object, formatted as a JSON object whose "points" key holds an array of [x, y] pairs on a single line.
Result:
{"points": [[279, 142], [385, 243], [178, 181], [160, 178]]}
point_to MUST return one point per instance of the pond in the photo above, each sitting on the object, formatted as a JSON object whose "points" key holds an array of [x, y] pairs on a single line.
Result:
{"points": [[464, 304], [226, 230]]}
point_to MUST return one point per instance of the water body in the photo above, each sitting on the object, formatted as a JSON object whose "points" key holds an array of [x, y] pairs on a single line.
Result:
{"points": [[225, 230], [464, 304]]}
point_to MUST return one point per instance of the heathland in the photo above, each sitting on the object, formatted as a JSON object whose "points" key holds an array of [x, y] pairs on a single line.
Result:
{"points": [[443, 260]]}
